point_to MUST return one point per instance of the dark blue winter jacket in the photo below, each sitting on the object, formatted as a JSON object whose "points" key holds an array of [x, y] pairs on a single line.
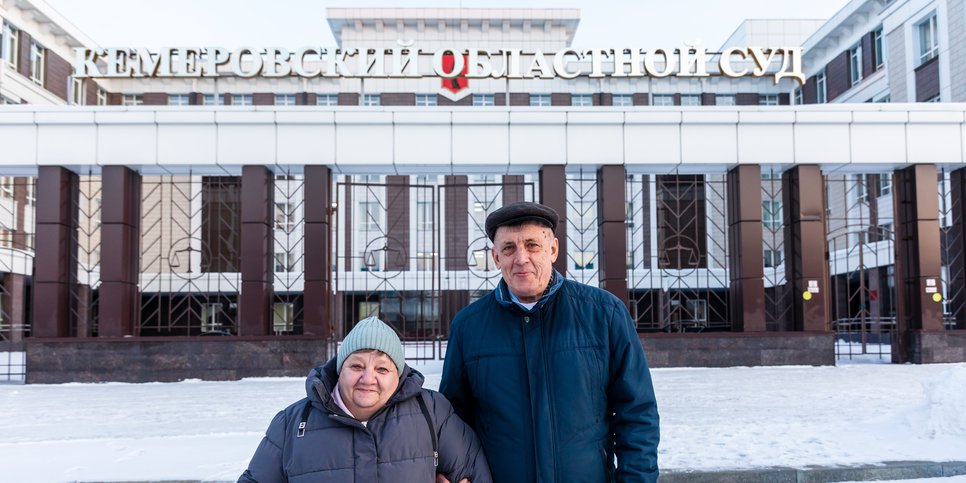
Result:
{"points": [[557, 391], [395, 446]]}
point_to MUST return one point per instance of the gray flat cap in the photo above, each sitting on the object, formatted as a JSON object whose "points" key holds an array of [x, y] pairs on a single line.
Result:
{"points": [[520, 212]]}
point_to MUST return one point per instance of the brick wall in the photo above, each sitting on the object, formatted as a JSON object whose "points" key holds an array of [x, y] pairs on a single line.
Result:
{"points": [[56, 75]]}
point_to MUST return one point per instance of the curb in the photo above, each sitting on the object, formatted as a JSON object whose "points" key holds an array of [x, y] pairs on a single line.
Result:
{"points": [[889, 470]]}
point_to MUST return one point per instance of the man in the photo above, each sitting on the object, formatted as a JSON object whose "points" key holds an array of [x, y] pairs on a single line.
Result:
{"points": [[550, 372]]}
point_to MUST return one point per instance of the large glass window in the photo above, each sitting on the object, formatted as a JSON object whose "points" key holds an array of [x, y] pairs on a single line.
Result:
{"points": [[623, 100], [771, 214], [101, 97], [371, 100], [540, 100], [483, 100], [724, 100], [425, 100], [327, 100], [38, 62], [769, 99], [214, 100], [820, 92], [855, 64], [663, 99], [928, 39], [10, 45], [878, 52], [581, 100], [77, 91], [284, 99], [179, 100], [241, 99], [690, 100], [132, 100]]}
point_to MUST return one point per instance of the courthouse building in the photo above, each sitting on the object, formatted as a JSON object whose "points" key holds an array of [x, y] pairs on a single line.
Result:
{"points": [[223, 212]]}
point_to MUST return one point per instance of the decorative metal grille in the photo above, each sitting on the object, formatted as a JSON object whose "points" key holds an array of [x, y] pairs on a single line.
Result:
{"points": [[387, 257], [687, 290], [17, 229], [778, 313], [289, 250], [861, 238], [582, 231], [190, 238], [953, 260], [87, 239]]}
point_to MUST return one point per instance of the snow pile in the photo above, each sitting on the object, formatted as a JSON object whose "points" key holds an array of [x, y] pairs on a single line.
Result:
{"points": [[943, 412]]}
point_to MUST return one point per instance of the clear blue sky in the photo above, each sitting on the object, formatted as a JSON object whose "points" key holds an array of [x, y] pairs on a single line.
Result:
{"points": [[294, 23]]}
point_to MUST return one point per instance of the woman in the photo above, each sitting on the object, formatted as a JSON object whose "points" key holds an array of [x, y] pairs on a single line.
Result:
{"points": [[368, 418]]}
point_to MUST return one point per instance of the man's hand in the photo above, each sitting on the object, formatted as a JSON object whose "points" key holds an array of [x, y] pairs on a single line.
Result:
{"points": [[442, 479]]}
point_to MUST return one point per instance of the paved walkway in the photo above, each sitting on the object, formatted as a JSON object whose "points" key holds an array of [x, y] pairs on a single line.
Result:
{"points": [[893, 470]]}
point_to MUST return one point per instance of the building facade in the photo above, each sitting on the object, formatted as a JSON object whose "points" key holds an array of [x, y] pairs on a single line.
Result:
{"points": [[151, 227]]}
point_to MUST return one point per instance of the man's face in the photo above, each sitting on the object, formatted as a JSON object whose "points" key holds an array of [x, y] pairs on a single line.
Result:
{"points": [[367, 380], [525, 254]]}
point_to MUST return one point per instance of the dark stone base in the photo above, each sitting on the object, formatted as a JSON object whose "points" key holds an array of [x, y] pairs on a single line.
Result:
{"points": [[141, 359], [10, 346], [728, 349], [933, 347]]}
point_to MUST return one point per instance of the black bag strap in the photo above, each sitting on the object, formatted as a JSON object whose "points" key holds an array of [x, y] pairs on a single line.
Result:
{"points": [[304, 419], [432, 429]]}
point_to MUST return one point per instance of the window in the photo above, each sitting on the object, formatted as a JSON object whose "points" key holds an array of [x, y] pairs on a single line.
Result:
{"points": [[371, 100], [690, 100], [241, 99], [11, 48], [371, 261], [861, 191], [885, 184], [928, 39], [585, 214], [370, 216], [284, 262], [798, 97], [209, 317], [482, 261], [425, 100], [101, 97], [540, 100], [483, 100], [773, 258], [76, 91], [284, 320], [424, 215], [878, 54], [771, 214], [327, 100], [821, 94], [6, 237], [284, 99], [179, 100], [769, 99], [284, 217], [724, 100], [6, 186], [581, 100], [38, 60], [855, 64], [584, 261], [132, 100], [426, 260], [213, 100], [663, 99], [623, 100], [5, 100]]}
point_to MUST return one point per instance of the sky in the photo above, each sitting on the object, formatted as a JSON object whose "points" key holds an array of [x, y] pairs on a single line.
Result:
{"points": [[296, 23], [858, 412]]}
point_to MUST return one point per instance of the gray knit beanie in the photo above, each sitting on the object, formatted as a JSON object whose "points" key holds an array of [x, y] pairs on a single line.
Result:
{"points": [[372, 333]]}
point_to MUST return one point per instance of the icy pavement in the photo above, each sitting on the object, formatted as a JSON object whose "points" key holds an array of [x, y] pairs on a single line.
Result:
{"points": [[711, 419]]}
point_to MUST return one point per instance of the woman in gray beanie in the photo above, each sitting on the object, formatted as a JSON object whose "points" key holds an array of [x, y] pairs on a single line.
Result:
{"points": [[368, 418]]}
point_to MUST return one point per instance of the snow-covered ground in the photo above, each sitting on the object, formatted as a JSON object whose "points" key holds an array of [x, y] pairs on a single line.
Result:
{"points": [[710, 419]]}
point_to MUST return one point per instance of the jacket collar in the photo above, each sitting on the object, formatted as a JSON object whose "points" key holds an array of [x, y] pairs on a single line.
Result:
{"points": [[502, 294]]}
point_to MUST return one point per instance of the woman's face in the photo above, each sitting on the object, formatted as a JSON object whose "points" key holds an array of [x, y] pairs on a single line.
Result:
{"points": [[367, 380]]}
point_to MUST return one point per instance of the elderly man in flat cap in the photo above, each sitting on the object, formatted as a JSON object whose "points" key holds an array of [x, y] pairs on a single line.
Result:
{"points": [[550, 372]]}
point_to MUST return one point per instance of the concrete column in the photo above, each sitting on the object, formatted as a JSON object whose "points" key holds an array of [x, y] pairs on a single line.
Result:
{"points": [[257, 251], [14, 305], [956, 247], [55, 262], [806, 249], [398, 250], [918, 266], [456, 243], [553, 193], [119, 305], [745, 262], [612, 230], [318, 247]]}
